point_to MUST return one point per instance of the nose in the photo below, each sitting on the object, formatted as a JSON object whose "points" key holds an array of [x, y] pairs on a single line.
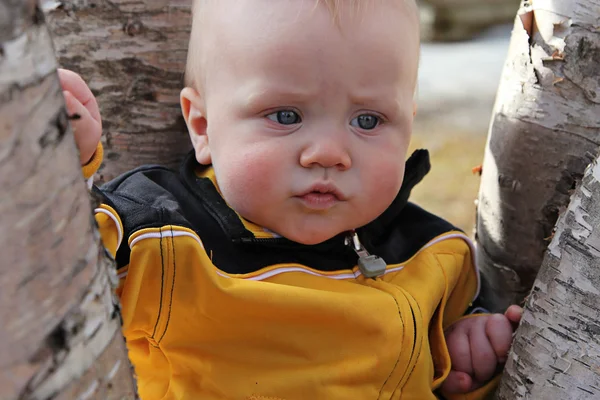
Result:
{"points": [[326, 151]]}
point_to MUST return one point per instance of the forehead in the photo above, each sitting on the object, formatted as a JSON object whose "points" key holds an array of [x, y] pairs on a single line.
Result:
{"points": [[338, 9], [346, 15], [300, 29], [334, 6]]}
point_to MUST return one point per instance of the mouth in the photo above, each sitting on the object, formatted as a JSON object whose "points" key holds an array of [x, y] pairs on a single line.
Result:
{"points": [[321, 196]]}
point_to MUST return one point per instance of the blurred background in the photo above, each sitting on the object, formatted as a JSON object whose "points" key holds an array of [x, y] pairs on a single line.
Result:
{"points": [[463, 51]]}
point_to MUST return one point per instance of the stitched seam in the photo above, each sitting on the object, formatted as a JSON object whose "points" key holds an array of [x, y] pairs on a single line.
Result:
{"points": [[400, 352], [447, 253], [420, 346], [445, 301], [415, 352], [172, 286], [162, 283]]}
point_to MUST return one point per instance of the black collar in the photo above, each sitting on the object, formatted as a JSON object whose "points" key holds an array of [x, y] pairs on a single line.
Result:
{"points": [[371, 235], [374, 233]]}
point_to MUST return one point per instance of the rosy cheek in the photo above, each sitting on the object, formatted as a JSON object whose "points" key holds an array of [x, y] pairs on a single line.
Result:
{"points": [[248, 181], [386, 186]]}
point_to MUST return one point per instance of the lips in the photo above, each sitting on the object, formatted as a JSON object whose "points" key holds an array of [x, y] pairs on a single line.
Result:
{"points": [[321, 196]]}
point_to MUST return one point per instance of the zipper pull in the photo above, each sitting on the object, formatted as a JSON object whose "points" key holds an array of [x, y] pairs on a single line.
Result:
{"points": [[371, 266]]}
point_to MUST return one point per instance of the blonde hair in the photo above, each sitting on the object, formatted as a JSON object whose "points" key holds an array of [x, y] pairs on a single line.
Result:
{"points": [[334, 7]]}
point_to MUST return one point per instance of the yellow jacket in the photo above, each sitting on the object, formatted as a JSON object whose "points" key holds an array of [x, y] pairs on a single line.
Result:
{"points": [[215, 307]]}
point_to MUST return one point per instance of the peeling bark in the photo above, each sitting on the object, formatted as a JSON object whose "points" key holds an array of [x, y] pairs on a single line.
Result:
{"points": [[544, 126], [60, 324], [132, 54], [556, 352]]}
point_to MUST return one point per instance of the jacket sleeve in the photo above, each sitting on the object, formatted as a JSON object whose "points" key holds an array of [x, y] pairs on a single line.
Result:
{"points": [[109, 223], [93, 165], [140, 292], [136, 289], [462, 289]]}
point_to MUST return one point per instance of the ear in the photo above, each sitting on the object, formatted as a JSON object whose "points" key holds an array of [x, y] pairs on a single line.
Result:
{"points": [[193, 109]]}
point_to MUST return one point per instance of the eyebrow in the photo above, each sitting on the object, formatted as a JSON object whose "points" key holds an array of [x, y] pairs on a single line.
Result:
{"points": [[388, 101], [372, 94], [260, 93]]}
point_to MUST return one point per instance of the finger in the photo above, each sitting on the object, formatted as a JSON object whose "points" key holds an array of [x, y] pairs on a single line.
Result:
{"points": [[483, 356], [514, 314], [457, 382], [87, 130], [459, 348], [499, 332], [73, 83]]}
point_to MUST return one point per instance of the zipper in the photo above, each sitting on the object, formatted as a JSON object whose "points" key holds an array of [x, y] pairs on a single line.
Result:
{"points": [[370, 265], [253, 240], [373, 266]]}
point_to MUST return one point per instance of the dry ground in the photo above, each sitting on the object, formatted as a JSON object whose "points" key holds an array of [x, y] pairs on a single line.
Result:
{"points": [[450, 189], [457, 86]]}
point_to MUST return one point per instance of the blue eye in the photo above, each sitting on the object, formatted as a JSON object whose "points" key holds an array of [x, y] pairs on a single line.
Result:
{"points": [[366, 121], [285, 117]]}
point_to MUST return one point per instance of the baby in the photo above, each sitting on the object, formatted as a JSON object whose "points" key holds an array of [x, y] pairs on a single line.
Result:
{"points": [[283, 260]]}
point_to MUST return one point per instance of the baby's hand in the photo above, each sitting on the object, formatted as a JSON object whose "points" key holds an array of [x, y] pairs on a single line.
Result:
{"points": [[84, 113], [477, 346]]}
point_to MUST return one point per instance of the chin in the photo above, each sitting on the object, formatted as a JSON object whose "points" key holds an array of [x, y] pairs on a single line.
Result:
{"points": [[311, 238], [311, 241]]}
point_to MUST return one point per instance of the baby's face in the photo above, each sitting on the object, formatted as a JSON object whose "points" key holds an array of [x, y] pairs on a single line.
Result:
{"points": [[307, 122]]}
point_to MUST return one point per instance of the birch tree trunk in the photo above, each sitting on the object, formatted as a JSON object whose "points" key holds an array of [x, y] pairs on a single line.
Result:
{"points": [[546, 122], [556, 352], [132, 54], [59, 320]]}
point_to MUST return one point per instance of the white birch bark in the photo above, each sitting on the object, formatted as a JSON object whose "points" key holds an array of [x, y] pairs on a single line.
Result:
{"points": [[556, 352], [546, 122], [59, 319]]}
